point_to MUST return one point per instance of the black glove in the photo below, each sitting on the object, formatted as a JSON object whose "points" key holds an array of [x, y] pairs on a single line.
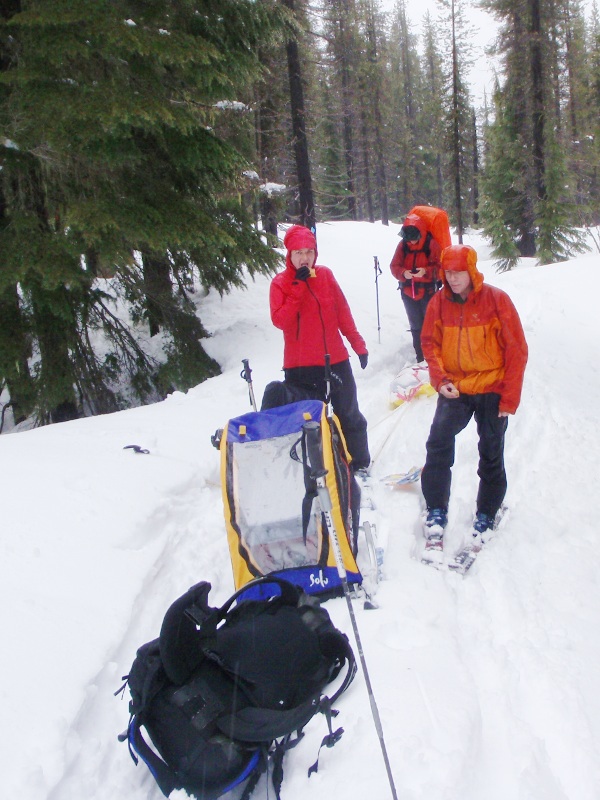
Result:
{"points": [[364, 360], [302, 274]]}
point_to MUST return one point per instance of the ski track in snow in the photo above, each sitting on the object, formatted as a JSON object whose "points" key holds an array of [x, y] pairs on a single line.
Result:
{"points": [[486, 685]]}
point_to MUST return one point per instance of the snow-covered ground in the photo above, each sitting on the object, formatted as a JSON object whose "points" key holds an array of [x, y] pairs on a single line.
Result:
{"points": [[487, 686]]}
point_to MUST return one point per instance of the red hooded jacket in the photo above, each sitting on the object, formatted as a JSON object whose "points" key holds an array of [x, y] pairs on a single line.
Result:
{"points": [[311, 313], [411, 256]]}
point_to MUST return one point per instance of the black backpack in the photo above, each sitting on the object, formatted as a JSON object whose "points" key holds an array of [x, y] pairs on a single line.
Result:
{"points": [[222, 690]]}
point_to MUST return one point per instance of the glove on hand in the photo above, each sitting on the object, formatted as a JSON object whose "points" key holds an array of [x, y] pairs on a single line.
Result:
{"points": [[364, 360], [302, 274]]}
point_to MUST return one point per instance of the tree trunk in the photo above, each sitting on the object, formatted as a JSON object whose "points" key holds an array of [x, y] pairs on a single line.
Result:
{"points": [[537, 82], [367, 167], [380, 173], [475, 173], [456, 155], [157, 288], [56, 394], [300, 142], [343, 53], [15, 350]]}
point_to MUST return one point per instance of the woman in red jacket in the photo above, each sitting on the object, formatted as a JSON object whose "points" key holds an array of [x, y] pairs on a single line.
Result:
{"points": [[308, 305], [476, 353], [415, 265]]}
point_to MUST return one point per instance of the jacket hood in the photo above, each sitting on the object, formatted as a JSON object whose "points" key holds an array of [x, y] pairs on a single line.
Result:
{"points": [[298, 238], [414, 221], [461, 258]]}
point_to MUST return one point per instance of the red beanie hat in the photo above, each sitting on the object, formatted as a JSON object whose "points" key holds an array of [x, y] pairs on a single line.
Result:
{"points": [[299, 238]]}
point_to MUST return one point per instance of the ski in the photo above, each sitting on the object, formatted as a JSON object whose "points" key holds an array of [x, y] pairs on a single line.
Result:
{"points": [[465, 558], [368, 545], [467, 555], [433, 554], [402, 478]]}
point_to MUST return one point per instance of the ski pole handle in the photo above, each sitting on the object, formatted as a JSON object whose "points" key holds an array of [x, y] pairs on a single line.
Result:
{"points": [[246, 373]]}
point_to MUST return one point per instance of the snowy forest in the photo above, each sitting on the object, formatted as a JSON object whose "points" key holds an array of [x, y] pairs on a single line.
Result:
{"points": [[149, 150]]}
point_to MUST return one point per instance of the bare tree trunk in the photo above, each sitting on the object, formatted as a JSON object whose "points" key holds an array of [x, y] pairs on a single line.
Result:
{"points": [[456, 155], [366, 167], [475, 173], [343, 57], [265, 124], [539, 115], [14, 354], [381, 178], [158, 289], [305, 191]]}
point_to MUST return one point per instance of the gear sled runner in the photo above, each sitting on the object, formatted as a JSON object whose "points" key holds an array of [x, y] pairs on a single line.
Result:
{"points": [[275, 524]]}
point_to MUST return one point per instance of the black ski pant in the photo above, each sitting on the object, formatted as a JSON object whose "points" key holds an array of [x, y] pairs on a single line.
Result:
{"points": [[451, 417], [415, 311], [344, 402]]}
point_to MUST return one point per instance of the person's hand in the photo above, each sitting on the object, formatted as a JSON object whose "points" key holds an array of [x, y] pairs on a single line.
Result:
{"points": [[364, 360], [503, 413], [420, 273], [303, 274], [449, 391], [408, 276]]}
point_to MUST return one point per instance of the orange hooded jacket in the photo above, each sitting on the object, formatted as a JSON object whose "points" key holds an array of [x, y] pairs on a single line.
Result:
{"points": [[479, 344]]}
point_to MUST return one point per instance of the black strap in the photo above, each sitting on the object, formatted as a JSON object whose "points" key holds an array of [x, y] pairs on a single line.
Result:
{"points": [[331, 738], [346, 654], [310, 487], [164, 776]]}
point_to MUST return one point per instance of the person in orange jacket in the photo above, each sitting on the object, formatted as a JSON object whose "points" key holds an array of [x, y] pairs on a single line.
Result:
{"points": [[476, 352], [308, 305], [415, 265]]}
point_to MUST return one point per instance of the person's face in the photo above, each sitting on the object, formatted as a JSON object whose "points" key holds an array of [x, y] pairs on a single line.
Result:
{"points": [[459, 282], [303, 258]]}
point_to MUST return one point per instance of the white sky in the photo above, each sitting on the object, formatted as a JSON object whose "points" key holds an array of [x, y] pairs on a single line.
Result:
{"points": [[484, 24]]}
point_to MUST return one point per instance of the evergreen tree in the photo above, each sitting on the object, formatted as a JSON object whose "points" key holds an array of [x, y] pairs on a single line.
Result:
{"points": [[591, 102], [537, 208], [432, 127], [108, 112]]}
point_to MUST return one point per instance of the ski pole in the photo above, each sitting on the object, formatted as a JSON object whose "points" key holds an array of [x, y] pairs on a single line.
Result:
{"points": [[246, 374], [378, 272], [328, 382], [312, 431]]}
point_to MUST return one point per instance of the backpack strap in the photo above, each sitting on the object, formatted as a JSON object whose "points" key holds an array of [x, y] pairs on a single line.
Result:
{"points": [[331, 738], [279, 750], [427, 244], [181, 644], [164, 776]]}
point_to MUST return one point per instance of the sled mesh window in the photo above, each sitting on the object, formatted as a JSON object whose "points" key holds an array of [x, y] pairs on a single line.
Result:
{"points": [[268, 491]]}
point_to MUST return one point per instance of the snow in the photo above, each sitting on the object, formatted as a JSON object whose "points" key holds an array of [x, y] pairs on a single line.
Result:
{"points": [[487, 686]]}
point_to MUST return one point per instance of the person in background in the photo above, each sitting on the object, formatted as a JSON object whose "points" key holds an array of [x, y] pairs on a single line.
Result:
{"points": [[476, 352], [308, 305], [415, 265]]}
